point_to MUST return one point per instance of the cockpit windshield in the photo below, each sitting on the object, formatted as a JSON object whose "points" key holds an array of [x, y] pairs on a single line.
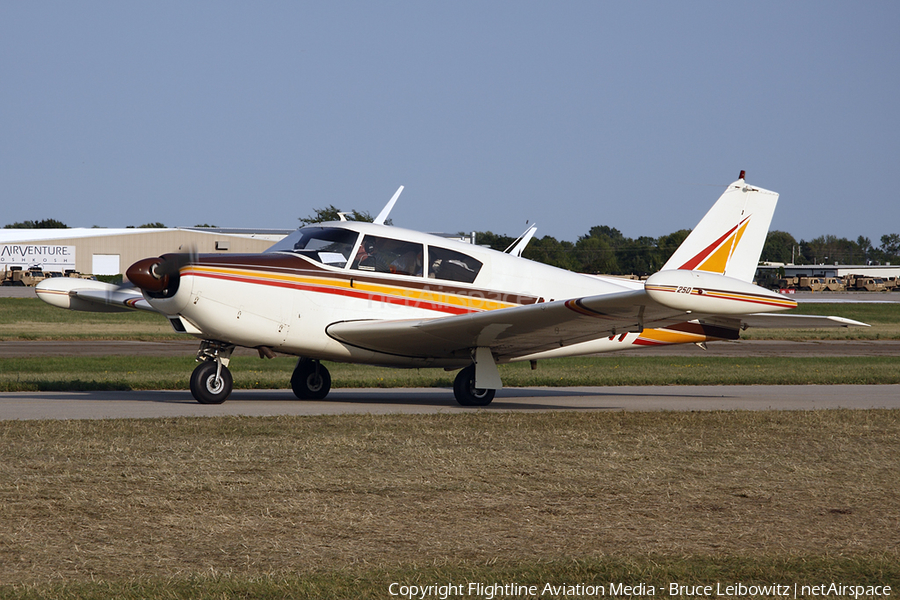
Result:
{"points": [[328, 245]]}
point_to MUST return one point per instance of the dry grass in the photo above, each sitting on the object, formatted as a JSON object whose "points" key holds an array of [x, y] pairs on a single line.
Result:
{"points": [[180, 498]]}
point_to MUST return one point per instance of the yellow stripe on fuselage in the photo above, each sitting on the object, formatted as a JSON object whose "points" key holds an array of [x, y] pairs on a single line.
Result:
{"points": [[437, 297]]}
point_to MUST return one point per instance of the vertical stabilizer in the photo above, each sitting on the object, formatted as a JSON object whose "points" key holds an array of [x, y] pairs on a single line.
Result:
{"points": [[730, 238]]}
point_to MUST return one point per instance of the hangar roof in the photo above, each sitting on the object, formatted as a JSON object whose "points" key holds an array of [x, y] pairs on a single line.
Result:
{"points": [[11, 236]]}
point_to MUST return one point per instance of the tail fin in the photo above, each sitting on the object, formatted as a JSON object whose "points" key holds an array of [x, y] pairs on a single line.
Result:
{"points": [[730, 238]]}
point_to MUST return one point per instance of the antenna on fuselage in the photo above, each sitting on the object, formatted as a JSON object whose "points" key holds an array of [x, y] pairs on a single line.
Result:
{"points": [[518, 246], [383, 215]]}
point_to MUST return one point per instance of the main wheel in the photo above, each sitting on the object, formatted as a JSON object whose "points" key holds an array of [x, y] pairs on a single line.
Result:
{"points": [[311, 380], [465, 391], [209, 389]]}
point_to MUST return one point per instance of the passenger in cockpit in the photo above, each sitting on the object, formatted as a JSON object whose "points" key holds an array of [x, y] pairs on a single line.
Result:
{"points": [[409, 263]]}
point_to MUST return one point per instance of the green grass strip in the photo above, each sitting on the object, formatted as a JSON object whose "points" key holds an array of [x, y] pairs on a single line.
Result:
{"points": [[144, 373]]}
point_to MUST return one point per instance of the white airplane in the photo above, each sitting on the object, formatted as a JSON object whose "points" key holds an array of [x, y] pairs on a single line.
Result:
{"points": [[371, 293]]}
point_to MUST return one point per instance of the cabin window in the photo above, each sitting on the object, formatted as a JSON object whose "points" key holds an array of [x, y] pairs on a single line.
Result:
{"points": [[452, 265], [386, 255], [328, 245]]}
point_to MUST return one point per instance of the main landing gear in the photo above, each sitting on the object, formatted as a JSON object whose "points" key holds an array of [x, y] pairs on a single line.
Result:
{"points": [[465, 391], [311, 380]]}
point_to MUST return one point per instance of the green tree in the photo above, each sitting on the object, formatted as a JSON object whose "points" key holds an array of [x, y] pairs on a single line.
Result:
{"points": [[550, 251], [43, 224], [830, 249], [330, 213], [780, 246], [595, 255], [493, 240], [668, 244], [890, 247], [865, 247]]}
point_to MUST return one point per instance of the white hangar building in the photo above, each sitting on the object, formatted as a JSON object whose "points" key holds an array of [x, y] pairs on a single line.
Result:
{"points": [[111, 251]]}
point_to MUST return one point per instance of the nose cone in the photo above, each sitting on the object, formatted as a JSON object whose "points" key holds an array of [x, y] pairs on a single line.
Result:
{"points": [[146, 275]]}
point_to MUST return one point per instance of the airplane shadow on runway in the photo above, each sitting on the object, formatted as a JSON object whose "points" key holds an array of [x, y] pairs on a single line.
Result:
{"points": [[441, 397]]}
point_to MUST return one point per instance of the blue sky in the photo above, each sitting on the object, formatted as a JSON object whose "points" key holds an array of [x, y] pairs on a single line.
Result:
{"points": [[569, 114]]}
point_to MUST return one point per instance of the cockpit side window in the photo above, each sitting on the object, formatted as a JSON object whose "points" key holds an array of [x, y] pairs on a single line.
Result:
{"points": [[328, 245], [386, 255], [452, 265]]}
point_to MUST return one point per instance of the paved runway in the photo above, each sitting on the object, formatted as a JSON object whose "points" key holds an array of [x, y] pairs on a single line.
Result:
{"points": [[115, 405]]}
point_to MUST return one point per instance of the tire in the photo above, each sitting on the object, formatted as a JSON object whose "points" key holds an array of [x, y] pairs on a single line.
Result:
{"points": [[309, 382], [465, 391], [206, 388]]}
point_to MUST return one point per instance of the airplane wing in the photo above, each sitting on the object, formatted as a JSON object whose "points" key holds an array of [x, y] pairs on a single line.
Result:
{"points": [[527, 330], [510, 332], [91, 296]]}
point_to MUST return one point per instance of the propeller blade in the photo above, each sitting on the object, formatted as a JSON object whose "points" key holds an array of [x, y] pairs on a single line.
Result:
{"points": [[154, 274]]}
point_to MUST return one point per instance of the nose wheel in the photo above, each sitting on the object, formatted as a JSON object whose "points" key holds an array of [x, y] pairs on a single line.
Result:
{"points": [[311, 380], [211, 383]]}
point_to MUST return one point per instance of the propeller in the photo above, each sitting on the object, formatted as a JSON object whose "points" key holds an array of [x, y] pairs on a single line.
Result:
{"points": [[155, 274]]}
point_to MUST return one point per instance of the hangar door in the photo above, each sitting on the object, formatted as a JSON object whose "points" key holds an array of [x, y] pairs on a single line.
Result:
{"points": [[105, 264]]}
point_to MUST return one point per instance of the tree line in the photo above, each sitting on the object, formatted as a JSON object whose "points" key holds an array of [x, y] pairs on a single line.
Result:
{"points": [[605, 249]]}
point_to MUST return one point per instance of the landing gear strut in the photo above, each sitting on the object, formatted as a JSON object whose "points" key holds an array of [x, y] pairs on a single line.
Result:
{"points": [[211, 381], [465, 391], [311, 380]]}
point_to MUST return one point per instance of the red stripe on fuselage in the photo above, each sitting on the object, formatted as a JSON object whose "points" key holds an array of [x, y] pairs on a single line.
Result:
{"points": [[399, 301]]}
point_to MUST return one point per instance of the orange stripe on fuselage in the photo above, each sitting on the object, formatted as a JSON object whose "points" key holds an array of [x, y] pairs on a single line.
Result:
{"points": [[388, 294]]}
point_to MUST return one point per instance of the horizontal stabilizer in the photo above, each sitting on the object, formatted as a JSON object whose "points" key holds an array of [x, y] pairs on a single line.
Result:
{"points": [[788, 321]]}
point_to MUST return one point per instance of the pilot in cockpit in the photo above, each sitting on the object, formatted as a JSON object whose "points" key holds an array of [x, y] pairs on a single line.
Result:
{"points": [[368, 257]]}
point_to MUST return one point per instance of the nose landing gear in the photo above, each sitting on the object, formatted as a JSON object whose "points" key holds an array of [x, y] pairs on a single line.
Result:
{"points": [[211, 381]]}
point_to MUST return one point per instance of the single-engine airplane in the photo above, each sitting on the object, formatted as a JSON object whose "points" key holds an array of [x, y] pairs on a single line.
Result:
{"points": [[371, 293]]}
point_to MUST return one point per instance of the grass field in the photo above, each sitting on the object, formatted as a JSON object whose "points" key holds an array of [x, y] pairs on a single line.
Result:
{"points": [[32, 319], [340, 507], [883, 318]]}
